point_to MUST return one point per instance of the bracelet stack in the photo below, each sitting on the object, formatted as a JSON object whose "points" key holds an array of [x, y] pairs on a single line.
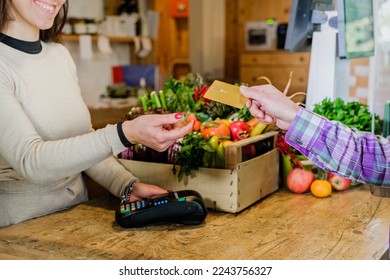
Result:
{"points": [[128, 189]]}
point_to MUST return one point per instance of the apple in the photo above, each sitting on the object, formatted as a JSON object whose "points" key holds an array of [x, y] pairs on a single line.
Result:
{"points": [[249, 151], [338, 182], [330, 175], [299, 180]]}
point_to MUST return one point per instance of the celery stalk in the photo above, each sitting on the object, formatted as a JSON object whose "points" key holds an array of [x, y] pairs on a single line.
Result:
{"points": [[144, 101], [162, 99], [155, 99]]}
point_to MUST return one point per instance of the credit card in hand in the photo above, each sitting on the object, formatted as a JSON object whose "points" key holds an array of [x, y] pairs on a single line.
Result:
{"points": [[226, 93]]}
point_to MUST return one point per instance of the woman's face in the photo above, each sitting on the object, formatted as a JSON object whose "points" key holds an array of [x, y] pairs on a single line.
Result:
{"points": [[30, 16]]}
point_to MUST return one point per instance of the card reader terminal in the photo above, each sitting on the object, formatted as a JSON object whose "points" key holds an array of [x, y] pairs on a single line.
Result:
{"points": [[185, 207]]}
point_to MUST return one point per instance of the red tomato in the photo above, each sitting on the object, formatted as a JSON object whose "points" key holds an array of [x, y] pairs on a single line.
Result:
{"points": [[212, 128]]}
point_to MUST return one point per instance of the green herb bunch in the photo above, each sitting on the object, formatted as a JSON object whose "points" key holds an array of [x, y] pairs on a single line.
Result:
{"points": [[191, 154], [180, 94], [353, 114]]}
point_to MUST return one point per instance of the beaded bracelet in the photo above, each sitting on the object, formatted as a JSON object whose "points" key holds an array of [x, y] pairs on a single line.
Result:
{"points": [[128, 189]]}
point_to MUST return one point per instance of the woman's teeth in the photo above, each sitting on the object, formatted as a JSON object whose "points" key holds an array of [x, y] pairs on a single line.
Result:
{"points": [[45, 6]]}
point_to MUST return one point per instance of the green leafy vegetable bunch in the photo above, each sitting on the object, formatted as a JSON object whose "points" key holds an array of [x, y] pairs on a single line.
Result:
{"points": [[353, 114], [190, 155]]}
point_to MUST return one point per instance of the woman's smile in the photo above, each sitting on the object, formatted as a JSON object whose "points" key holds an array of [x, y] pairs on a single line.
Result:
{"points": [[46, 7]]}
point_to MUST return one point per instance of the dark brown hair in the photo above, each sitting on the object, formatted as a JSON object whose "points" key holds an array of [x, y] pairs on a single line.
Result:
{"points": [[50, 35]]}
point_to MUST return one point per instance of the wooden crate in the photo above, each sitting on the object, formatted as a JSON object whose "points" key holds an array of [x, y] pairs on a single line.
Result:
{"points": [[382, 191], [228, 190]]}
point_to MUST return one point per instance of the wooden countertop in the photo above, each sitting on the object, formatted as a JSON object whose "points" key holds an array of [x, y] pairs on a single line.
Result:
{"points": [[348, 225]]}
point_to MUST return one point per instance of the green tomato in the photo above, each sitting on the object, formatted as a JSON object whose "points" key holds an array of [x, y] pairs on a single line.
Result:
{"points": [[213, 141]]}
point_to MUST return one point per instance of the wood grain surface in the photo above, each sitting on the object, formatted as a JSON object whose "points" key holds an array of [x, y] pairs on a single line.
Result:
{"points": [[348, 225]]}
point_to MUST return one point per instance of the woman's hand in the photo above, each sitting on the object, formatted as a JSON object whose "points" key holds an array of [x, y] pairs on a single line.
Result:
{"points": [[155, 131], [142, 191], [269, 105]]}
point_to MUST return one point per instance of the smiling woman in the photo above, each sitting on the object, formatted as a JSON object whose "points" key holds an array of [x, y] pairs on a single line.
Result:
{"points": [[35, 20], [45, 150]]}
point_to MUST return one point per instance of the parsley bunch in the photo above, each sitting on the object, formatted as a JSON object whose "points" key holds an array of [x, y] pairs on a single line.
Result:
{"points": [[353, 114], [190, 156]]}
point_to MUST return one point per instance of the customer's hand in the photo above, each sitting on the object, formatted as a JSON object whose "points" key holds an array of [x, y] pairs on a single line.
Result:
{"points": [[269, 105], [155, 131]]}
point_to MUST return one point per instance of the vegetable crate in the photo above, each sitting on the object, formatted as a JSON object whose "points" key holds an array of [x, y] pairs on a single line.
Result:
{"points": [[232, 189]]}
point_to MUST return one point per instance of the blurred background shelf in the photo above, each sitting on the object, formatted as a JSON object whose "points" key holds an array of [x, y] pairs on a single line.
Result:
{"points": [[73, 38]]}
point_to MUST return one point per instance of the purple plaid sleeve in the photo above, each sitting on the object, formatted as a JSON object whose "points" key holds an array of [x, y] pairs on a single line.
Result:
{"points": [[334, 147]]}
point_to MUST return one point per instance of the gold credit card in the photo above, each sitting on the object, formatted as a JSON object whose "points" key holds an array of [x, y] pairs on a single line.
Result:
{"points": [[226, 93]]}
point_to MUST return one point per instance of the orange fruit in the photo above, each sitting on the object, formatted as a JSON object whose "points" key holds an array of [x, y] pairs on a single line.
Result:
{"points": [[321, 188]]}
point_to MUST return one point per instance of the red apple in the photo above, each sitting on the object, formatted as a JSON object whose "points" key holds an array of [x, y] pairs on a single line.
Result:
{"points": [[330, 175], [338, 182], [299, 180]]}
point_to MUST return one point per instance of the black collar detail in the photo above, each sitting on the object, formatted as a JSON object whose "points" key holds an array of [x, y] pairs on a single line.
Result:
{"points": [[24, 46]]}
